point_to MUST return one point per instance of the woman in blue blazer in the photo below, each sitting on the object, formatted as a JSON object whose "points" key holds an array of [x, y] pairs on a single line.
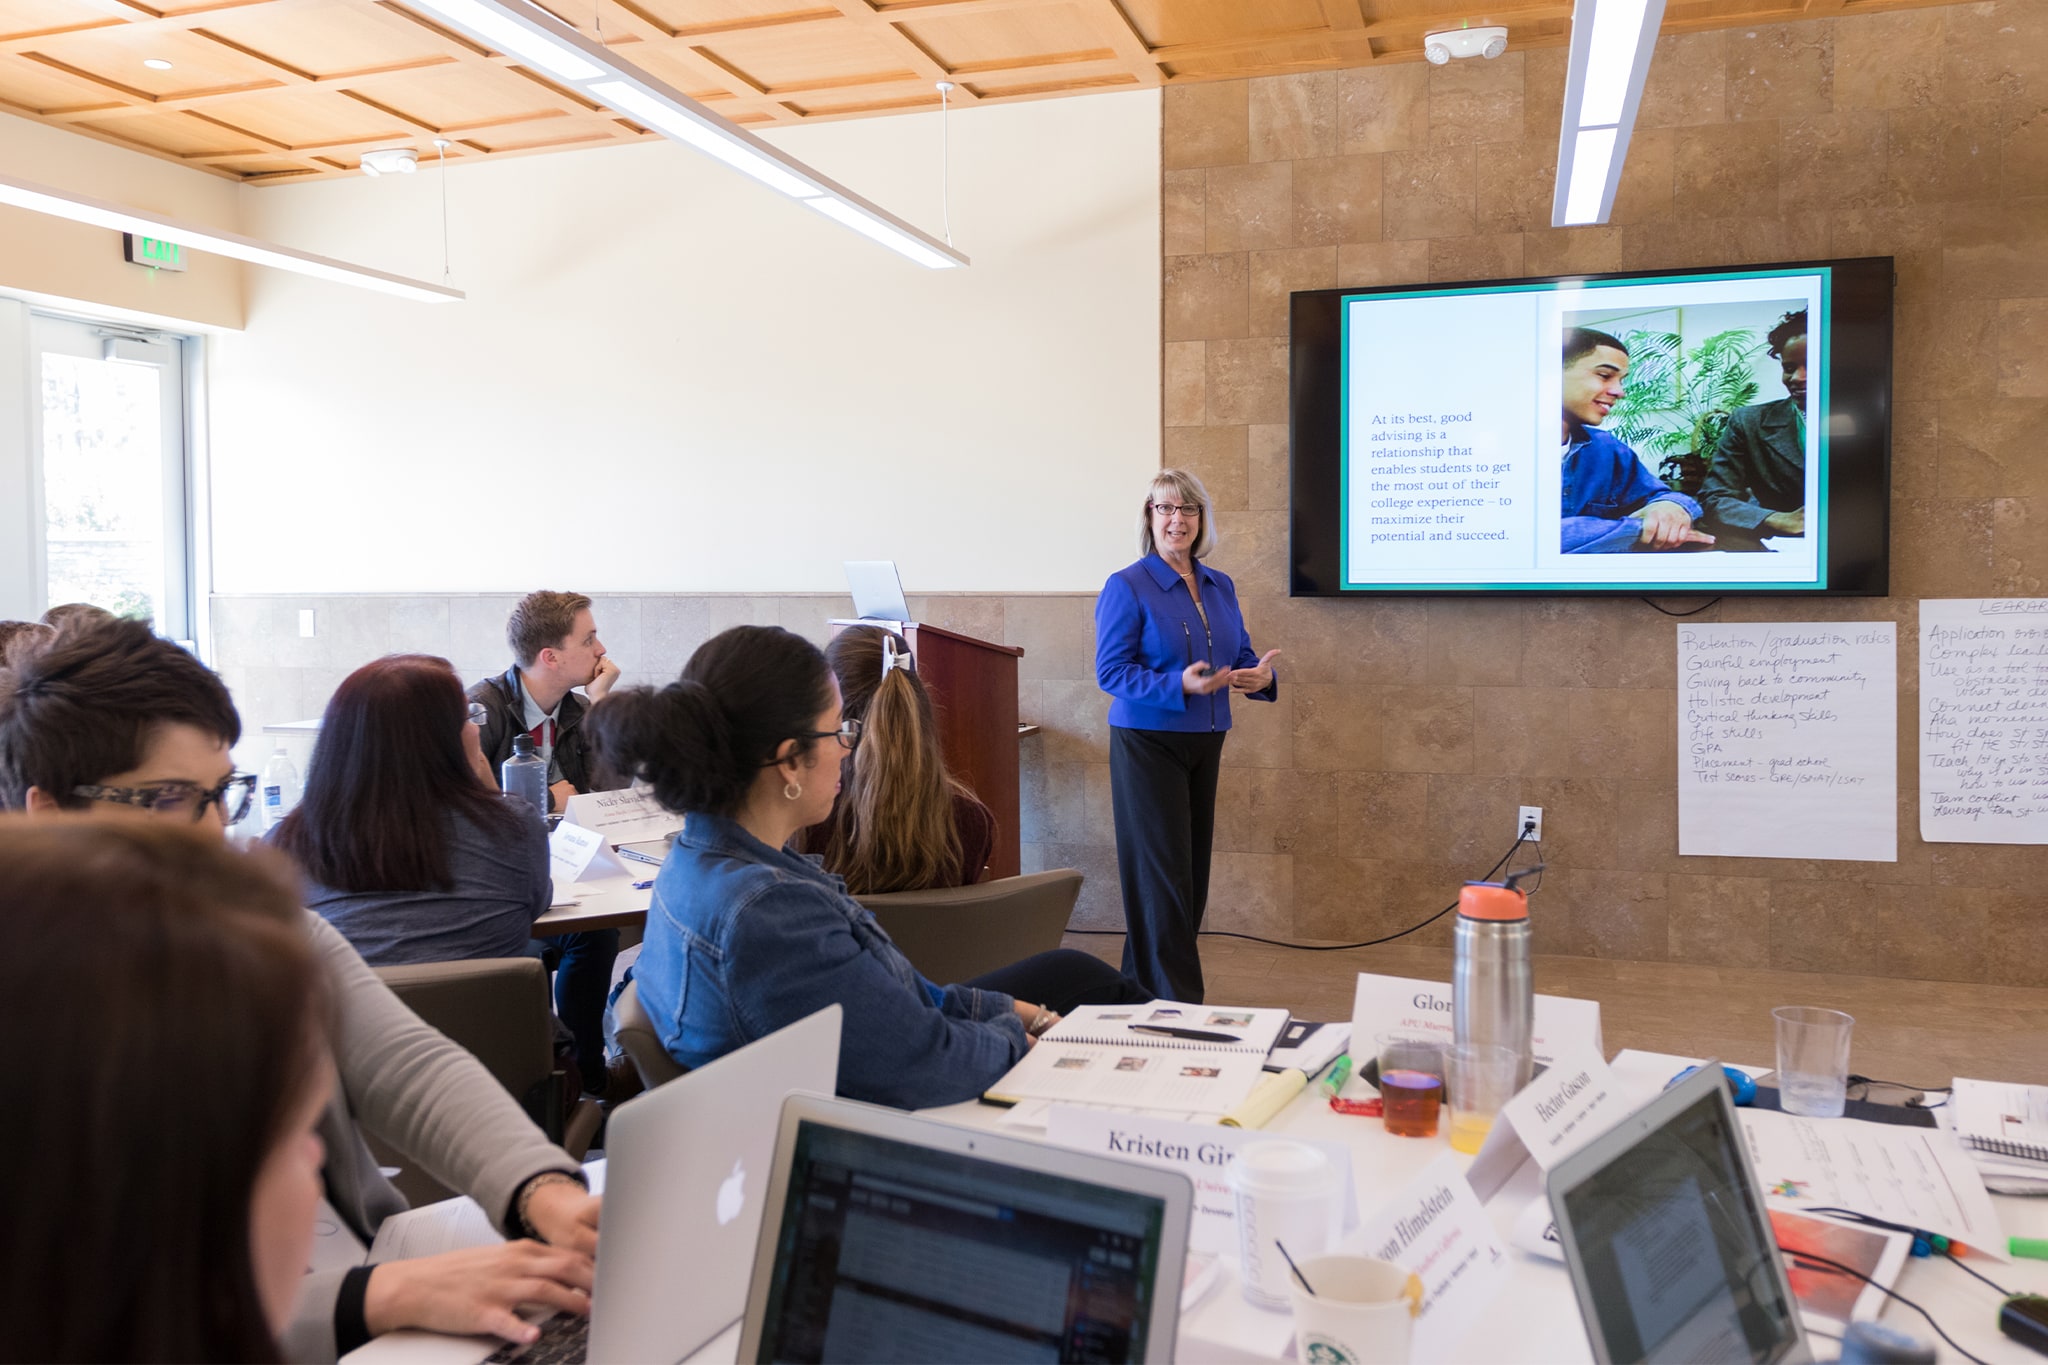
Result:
{"points": [[1170, 648]]}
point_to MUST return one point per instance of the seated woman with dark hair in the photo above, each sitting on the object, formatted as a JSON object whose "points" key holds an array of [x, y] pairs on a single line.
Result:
{"points": [[164, 1207], [902, 822], [410, 849], [745, 936]]}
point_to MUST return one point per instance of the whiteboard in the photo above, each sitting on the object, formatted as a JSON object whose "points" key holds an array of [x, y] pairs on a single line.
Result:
{"points": [[1984, 720], [1788, 740]]}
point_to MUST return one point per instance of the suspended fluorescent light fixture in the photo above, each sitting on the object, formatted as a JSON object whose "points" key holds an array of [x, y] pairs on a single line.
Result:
{"points": [[540, 39], [23, 194], [1612, 41]]}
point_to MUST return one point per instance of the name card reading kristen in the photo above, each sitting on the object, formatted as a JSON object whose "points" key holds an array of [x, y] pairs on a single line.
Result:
{"points": [[1399, 1004], [1201, 1152], [1437, 1229]]}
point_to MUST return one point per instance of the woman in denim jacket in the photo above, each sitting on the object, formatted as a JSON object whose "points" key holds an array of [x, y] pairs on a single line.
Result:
{"points": [[745, 936]]}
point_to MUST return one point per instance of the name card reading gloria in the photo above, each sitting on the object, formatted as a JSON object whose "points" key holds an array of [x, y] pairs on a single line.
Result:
{"points": [[1788, 740], [1984, 721]]}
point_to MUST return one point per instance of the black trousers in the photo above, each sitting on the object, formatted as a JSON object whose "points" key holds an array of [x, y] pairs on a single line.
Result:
{"points": [[1062, 979], [1163, 789]]}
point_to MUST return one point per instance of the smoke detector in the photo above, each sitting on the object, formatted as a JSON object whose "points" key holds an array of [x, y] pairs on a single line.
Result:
{"points": [[391, 161], [1464, 42]]}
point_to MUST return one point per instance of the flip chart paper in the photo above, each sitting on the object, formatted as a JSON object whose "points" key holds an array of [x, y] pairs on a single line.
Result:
{"points": [[1984, 720], [1788, 740]]}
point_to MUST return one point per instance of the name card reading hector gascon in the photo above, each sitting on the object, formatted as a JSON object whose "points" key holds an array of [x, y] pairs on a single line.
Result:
{"points": [[1788, 740], [1984, 721]]}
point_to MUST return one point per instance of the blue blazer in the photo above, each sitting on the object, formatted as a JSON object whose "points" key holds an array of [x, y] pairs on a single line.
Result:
{"points": [[1147, 631]]}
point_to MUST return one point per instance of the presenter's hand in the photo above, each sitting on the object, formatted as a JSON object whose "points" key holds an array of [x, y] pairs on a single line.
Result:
{"points": [[1198, 680], [1255, 679], [467, 1293], [565, 1216], [1666, 526], [607, 675], [1791, 523]]}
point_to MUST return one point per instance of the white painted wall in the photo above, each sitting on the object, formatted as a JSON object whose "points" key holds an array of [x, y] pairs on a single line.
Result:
{"points": [[667, 378]]}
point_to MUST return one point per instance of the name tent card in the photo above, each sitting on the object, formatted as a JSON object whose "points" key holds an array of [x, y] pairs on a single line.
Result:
{"points": [[1399, 1004], [1578, 1098], [1201, 1152], [626, 816], [576, 854], [1437, 1229]]}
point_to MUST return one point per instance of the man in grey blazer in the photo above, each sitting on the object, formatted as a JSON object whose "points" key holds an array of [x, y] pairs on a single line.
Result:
{"points": [[110, 719], [1755, 488]]}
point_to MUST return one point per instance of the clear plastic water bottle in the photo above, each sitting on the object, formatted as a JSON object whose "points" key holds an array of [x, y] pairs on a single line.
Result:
{"points": [[525, 774], [279, 788]]}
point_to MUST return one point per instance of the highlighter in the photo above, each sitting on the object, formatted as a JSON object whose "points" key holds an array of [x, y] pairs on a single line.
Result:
{"points": [[2033, 1248], [1340, 1072]]}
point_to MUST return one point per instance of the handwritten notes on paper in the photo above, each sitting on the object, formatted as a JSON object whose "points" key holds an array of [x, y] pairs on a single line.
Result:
{"points": [[1788, 740], [1984, 720]]}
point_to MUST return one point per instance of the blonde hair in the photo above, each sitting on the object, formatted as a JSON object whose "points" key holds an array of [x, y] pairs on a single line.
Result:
{"points": [[1186, 488], [892, 829]]}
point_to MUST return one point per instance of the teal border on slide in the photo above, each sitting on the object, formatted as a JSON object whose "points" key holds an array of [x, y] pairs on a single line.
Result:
{"points": [[1344, 302]]}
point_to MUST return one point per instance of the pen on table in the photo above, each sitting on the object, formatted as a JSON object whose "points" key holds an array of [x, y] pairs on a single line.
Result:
{"points": [[642, 886], [2033, 1248], [638, 857], [1340, 1072], [1193, 1035]]}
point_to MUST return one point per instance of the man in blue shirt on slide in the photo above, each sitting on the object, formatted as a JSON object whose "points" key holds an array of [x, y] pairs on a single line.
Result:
{"points": [[1611, 503]]}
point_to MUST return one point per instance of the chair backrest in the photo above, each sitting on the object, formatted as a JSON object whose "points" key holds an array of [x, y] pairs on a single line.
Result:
{"points": [[497, 1009], [958, 933], [636, 1036]]}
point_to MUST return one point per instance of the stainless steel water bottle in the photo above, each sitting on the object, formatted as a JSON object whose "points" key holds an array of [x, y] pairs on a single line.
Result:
{"points": [[1493, 996]]}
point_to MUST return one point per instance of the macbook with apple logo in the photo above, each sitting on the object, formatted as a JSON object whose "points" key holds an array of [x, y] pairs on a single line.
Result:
{"points": [[687, 1166]]}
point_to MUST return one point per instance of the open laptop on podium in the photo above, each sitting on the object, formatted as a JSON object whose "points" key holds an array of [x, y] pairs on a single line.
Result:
{"points": [[877, 591]]}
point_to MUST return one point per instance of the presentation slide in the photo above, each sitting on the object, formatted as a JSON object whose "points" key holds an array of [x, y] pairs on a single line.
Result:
{"points": [[1653, 433]]}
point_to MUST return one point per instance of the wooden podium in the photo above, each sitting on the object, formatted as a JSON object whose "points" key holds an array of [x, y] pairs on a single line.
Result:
{"points": [[973, 686]]}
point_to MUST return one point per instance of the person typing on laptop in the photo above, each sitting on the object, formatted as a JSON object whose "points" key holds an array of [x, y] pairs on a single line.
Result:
{"points": [[745, 936], [110, 720]]}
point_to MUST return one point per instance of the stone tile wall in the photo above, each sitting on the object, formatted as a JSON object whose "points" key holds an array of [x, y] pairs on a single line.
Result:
{"points": [[1409, 730]]}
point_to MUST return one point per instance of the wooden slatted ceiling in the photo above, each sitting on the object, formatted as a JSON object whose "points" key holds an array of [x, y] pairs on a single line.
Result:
{"points": [[274, 91]]}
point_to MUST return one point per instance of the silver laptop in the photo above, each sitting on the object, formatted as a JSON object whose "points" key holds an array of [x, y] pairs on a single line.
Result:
{"points": [[687, 1165], [1667, 1238], [893, 1237], [877, 590]]}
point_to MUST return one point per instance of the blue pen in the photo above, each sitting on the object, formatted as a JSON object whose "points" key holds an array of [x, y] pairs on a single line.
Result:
{"points": [[642, 886]]}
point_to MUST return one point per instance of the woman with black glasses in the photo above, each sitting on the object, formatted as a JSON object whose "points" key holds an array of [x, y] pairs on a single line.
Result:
{"points": [[746, 936]]}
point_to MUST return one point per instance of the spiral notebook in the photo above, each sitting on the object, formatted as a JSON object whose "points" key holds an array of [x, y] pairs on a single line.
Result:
{"points": [[1189, 1059], [2003, 1120]]}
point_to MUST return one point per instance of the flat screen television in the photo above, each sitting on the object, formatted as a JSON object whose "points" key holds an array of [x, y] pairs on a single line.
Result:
{"points": [[1697, 431]]}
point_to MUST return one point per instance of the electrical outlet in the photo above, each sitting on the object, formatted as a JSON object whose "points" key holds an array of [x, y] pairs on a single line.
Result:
{"points": [[1531, 816]]}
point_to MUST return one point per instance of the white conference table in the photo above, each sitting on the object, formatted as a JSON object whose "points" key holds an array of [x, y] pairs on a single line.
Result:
{"points": [[1536, 1316], [604, 904]]}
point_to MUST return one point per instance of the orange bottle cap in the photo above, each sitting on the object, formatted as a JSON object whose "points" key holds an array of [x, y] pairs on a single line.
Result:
{"points": [[1483, 900]]}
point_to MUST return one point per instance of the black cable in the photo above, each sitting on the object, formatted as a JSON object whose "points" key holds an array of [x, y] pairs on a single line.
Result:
{"points": [[1694, 612], [1520, 839], [1813, 1258], [2003, 1293]]}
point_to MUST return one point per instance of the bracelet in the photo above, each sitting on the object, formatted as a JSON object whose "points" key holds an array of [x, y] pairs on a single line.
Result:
{"points": [[525, 1224], [1041, 1021]]}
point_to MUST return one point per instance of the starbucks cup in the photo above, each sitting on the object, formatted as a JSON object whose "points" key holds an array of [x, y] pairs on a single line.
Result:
{"points": [[1284, 1198], [1361, 1313]]}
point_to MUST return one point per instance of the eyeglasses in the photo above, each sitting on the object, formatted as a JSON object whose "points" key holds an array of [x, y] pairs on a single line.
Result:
{"points": [[1189, 510], [189, 799], [478, 714], [848, 733]]}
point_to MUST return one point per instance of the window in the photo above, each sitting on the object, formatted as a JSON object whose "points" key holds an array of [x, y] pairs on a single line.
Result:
{"points": [[112, 470]]}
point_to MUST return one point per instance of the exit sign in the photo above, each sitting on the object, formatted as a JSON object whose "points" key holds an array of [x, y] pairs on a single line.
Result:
{"points": [[149, 251]]}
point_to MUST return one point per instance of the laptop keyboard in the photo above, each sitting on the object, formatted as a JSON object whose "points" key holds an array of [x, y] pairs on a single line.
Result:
{"points": [[563, 1340]]}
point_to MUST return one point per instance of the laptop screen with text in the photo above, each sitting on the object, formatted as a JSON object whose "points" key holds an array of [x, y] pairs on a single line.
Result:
{"points": [[890, 1251]]}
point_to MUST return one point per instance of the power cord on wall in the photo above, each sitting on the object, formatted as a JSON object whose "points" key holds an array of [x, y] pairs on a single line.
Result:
{"points": [[1528, 829], [1694, 612]]}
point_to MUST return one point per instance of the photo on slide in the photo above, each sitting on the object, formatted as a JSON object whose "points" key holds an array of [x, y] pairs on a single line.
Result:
{"points": [[1684, 428]]}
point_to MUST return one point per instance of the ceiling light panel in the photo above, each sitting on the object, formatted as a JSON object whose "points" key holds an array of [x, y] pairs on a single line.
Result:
{"points": [[600, 74], [1611, 45]]}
